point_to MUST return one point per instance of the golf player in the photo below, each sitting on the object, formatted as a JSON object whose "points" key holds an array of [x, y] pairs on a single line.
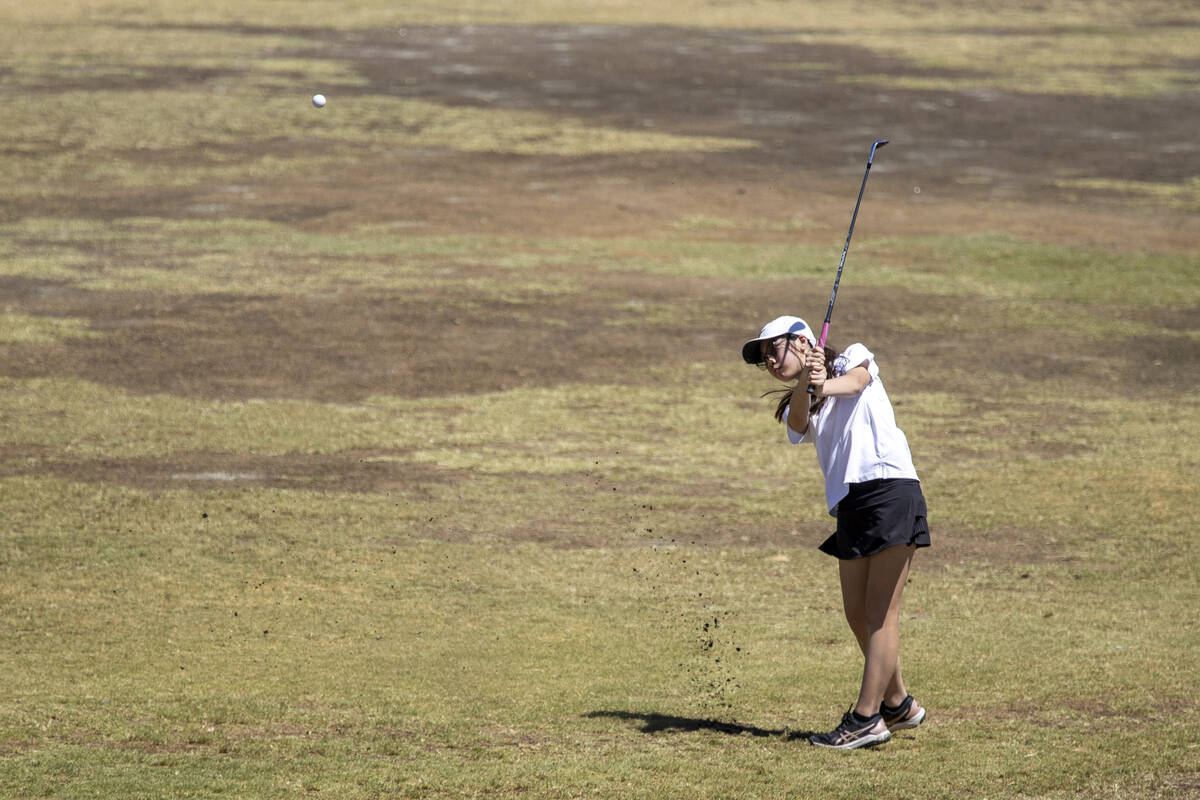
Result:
{"points": [[871, 488]]}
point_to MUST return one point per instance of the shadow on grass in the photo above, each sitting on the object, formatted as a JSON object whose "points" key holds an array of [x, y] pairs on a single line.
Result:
{"points": [[665, 723]]}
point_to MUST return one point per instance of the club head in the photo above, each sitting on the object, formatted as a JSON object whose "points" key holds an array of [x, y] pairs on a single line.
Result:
{"points": [[877, 144]]}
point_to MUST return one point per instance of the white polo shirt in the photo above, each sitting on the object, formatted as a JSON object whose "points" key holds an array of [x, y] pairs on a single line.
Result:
{"points": [[856, 437]]}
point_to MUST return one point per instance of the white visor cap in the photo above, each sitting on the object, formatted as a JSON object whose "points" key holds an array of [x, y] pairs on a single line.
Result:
{"points": [[780, 326]]}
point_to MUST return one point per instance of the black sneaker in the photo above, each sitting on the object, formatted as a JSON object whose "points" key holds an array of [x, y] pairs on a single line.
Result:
{"points": [[908, 714], [852, 734]]}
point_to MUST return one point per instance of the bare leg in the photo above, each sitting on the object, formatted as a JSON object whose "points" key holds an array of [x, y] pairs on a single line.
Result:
{"points": [[871, 592]]}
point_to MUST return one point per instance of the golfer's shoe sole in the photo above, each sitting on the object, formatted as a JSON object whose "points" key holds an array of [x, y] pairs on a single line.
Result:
{"points": [[904, 718], [909, 724], [869, 740]]}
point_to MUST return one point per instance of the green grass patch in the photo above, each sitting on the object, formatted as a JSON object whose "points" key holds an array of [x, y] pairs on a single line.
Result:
{"points": [[1130, 60], [279, 643], [816, 16], [1176, 195], [23, 329], [702, 222], [1001, 266]]}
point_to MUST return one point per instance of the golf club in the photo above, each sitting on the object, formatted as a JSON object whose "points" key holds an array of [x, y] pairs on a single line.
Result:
{"points": [[829, 313]]}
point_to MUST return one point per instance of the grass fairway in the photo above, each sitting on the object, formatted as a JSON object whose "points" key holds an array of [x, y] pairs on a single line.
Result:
{"points": [[401, 449]]}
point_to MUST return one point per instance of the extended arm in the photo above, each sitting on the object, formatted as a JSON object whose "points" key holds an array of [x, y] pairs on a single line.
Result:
{"points": [[812, 373], [797, 418]]}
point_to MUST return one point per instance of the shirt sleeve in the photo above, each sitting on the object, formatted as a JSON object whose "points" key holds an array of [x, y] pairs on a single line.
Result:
{"points": [[856, 355]]}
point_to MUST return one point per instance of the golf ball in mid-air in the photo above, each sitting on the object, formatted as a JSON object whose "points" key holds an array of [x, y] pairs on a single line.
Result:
{"points": [[319, 100]]}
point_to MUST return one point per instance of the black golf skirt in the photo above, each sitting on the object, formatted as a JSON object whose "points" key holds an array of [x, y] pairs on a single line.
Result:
{"points": [[876, 515]]}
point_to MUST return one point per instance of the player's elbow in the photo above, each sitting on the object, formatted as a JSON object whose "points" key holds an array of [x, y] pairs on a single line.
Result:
{"points": [[859, 378]]}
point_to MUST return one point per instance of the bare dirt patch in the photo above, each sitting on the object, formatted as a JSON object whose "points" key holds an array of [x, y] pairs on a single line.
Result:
{"points": [[374, 471], [351, 344], [348, 344], [781, 91]]}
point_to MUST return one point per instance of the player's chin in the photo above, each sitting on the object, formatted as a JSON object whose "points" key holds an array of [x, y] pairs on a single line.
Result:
{"points": [[787, 376]]}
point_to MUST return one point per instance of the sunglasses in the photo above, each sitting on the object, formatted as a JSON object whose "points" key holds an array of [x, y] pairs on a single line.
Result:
{"points": [[774, 348]]}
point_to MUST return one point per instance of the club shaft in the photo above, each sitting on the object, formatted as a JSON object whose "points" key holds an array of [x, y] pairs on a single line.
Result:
{"points": [[846, 249], [842, 263]]}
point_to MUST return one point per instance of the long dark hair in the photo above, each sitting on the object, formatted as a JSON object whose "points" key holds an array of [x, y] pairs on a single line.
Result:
{"points": [[815, 404]]}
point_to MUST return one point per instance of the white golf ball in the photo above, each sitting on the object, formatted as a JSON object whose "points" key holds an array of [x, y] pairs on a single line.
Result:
{"points": [[319, 100]]}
